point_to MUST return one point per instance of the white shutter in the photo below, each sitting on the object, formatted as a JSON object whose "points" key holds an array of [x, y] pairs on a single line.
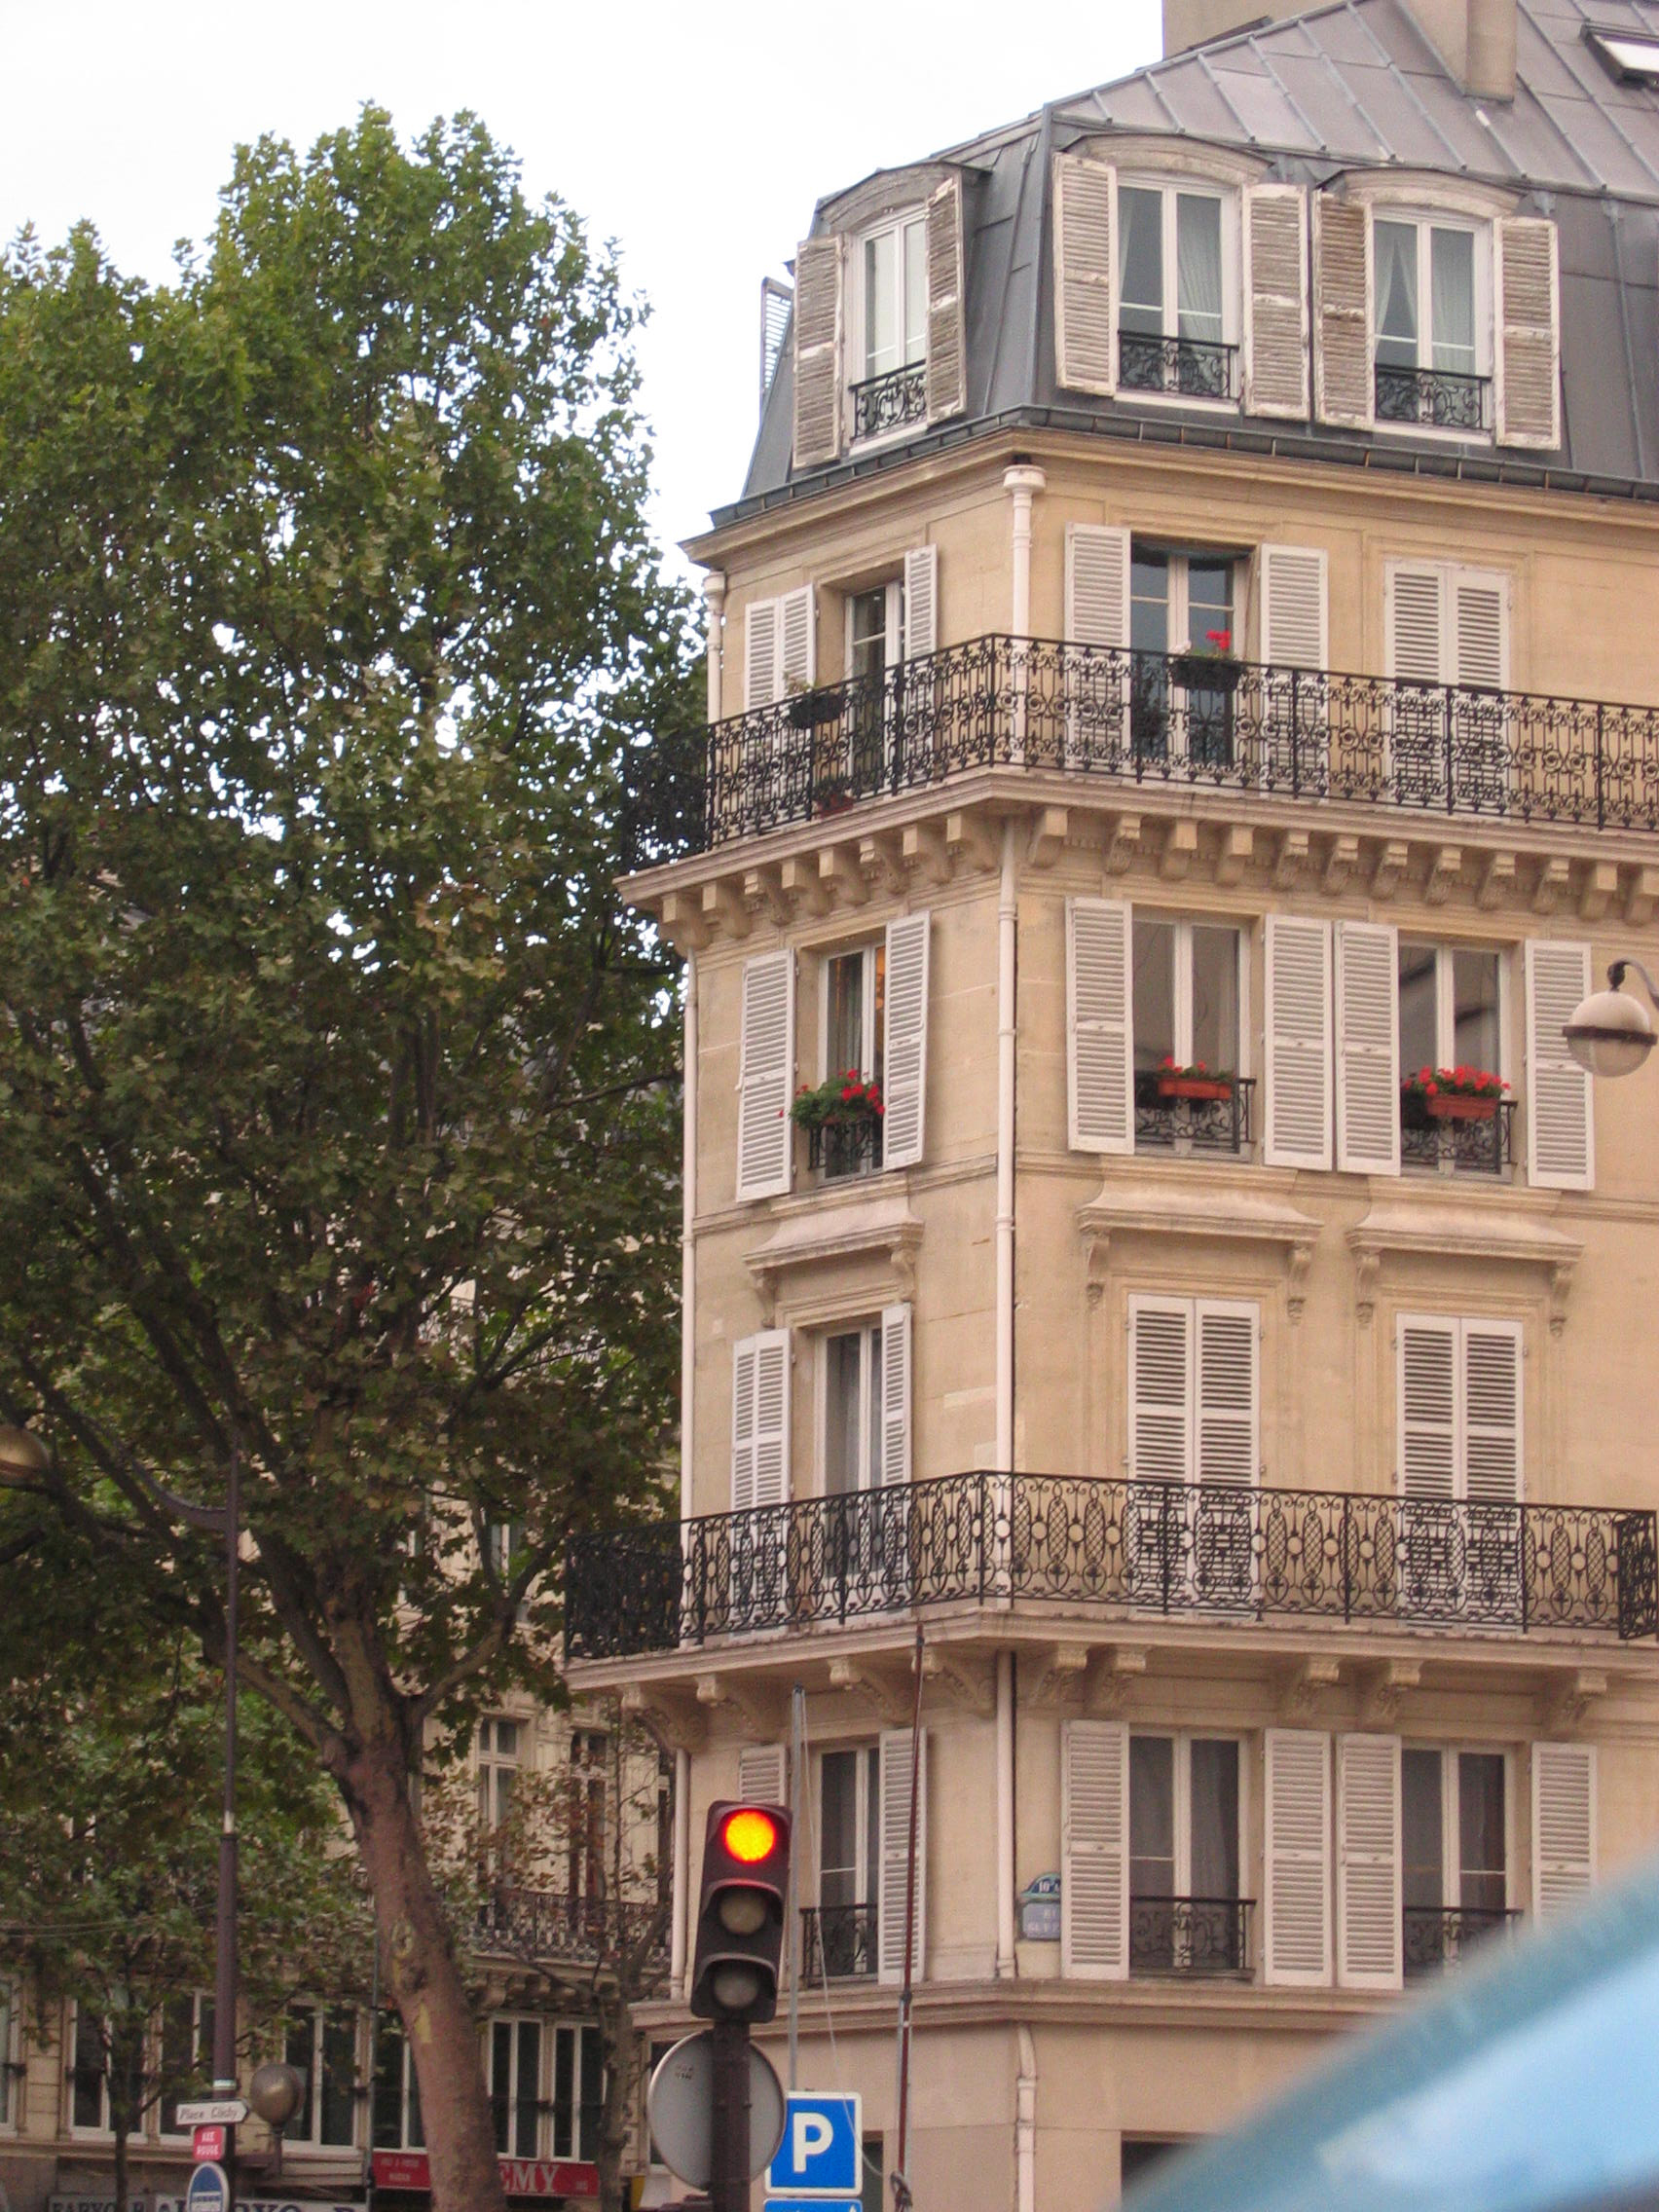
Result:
{"points": [[1526, 314], [1414, 625], [1226, 1415], [797, 641], [1564, 1825], [1427, 1359], [1343, 388], [761, 1774], [765, 1151], [1160, 1389], [1560, 1130], [1094, 1852], [816, 351], [905, 1076], [947, 349], [1480, 631], [1275, 301], [1100, 1035], [1368, 1862], [1368, 1048], [1085, 274], [1295, 622], [1491, 1412], [761, 1420], [921, 601], [894, 1845], [895, 1394], [1298, 1043], [1296, 1920], [1097, 586], [763, 664]]}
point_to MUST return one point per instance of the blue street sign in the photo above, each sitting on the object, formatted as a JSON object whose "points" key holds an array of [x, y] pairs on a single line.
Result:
{"points": [[209, 2190], [822, 2148], [815, 2205]]}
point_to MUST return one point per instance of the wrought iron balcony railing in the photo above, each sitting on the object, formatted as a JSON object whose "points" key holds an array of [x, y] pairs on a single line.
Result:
{"points": [[845, 1147], [1433, 1936], [1194, 368], [886, 403], [1196, 1124], [838, 1942], [1127, 1547], [1148, 719], [1466, 1148], [1438, 399], [546, 1927], [1189, 1936]]}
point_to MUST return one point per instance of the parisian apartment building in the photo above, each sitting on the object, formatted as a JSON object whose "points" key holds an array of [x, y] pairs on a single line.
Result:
{"points": [[1162, 1304]]}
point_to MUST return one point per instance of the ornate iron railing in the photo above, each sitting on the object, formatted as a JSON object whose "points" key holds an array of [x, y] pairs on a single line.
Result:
{"points": [[1137, 718], [1470, 1148], [838, 1943], [886, 403], [845, 1147], [1438, 399], [1189, 1936], [1198, 1125], [1433, 1936], [1192, 367], [545, 1926], [1129, 1547]]}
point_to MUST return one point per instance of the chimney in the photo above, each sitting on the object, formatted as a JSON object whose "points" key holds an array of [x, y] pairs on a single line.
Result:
{"points": [[1476, 40], [1195, 22]]}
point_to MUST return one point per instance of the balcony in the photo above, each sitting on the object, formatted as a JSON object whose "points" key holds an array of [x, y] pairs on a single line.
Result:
{"points": [[1188, 368], [1193, 1124], [1433, 399], [1147, 721], [1433, 1936], [1483, 1146], [1193, 1938], [1127, 1547], [551, 1927], [852, 1147], [839, 1943], [887, 403]]}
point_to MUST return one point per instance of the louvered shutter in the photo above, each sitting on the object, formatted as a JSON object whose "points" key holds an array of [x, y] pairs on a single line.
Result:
{"points": [[797, 641], [1275, 301], [895, 1844], [1227, 1414], [1491, 1412], [1094, 1857], [816, 351], [1298, 1043], [1564, 1825], [1296, 1920], [1414, 626], [1097, 586], [1368, 1048], [744, 1364], [1480, 631], [761, 1420], [1295, 623], [1560, 1130], [905, 1049], [1368, 1862], [947, 347], [1099, 1038], [1343, 390], [1427, 1359], [761, 1770], [765, 1072], [1085, 274], [763, 663], [1160, 1389], [895, 1394], [1527, 312], [921, 601]]}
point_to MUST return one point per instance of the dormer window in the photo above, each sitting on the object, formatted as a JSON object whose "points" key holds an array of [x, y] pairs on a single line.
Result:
{"points": [[1173, 318], [891, 342], [1433, 320]]}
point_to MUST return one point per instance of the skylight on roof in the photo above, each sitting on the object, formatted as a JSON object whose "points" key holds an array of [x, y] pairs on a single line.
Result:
{"points": [[1627, 54]]}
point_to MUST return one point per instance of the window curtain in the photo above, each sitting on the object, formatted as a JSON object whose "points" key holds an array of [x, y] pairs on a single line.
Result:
{"points": [[1396, 295], [1451, 265], [1197, 268]]}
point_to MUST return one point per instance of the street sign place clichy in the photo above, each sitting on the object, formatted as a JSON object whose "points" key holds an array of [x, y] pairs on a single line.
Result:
{"points": [[818, 2163], [213, 2112]]}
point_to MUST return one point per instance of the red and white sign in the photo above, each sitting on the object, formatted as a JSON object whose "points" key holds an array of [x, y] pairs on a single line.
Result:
{"points": [[520, 2177], [207, 2146]]}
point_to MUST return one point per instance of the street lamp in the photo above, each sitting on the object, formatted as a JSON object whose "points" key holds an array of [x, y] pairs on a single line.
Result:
{"points": [[23, 1459], [1611, 1033]]}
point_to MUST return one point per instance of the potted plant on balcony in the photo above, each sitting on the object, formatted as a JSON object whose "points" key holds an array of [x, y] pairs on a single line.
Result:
{"points": [[810, 708], [1197, 1082], [836, 1102], [1209, 666], [1452, 1094]]}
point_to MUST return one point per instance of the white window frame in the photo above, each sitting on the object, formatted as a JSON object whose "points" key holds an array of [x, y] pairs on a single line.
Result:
{"points": [[198, 1998], [552, 2032], [491, 1762], [869, 1333], [317, 2013], [1426, 221], [1180, 559], [11, 2060], [1451, 1856], [1184, 926], [539, 2098], [1183, 1740], [858, 313], [1171, 190], [866, 1873], [866, 953], [101, 2130], [1444, 1006], [894, 646], [408, 2087]]}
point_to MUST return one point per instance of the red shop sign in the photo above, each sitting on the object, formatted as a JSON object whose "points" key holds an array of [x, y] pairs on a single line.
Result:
{"points": [[520, 2177]]}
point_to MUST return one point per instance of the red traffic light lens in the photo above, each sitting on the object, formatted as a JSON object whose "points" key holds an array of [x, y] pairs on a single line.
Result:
{"points": [[749, 1835]]}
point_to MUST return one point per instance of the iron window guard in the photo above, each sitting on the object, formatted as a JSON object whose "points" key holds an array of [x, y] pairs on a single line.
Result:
{"points": [[1437, 1935], [838, 1942], [539, 1926], [888, 402], [1438, 399], [1466, 1148], [1194, 368], [845, 1147], [1190, 1936], [1198, 1124]]}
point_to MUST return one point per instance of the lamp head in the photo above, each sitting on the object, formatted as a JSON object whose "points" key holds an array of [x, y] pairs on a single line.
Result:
{"points": [[1610, 1033], [276, 2092], [24, 1460]]}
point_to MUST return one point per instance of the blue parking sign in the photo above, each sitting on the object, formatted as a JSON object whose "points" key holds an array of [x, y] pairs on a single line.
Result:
{"points": [[821, 2150]]}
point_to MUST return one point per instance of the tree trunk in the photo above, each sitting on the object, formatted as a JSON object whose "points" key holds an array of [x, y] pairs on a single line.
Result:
{"points": [[422, 1973], [617, 2039], [118, 2121]]}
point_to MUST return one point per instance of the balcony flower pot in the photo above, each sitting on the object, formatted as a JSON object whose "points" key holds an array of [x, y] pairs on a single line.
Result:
{"points": [[1206, 672], [1212, 1089], [1451, 1095], [809, 709], [1451, 1108]]}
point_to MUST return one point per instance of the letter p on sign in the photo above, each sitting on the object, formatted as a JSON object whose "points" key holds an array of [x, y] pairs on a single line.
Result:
{"points": [[812, 2137], [821, 2152]]}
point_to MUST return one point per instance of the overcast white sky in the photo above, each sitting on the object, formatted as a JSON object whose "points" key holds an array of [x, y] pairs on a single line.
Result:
{"points": [[697, 137]]}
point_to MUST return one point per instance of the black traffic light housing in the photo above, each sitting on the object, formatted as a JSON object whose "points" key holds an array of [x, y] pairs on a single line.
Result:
{"points": [[740, 1912]]}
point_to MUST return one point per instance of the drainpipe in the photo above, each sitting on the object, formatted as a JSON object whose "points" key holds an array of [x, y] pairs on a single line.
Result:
{"points": [[713, 598], [1025, 2125], [1022, 484], [688, 1242], [681, 1870], [1005, 1816]]}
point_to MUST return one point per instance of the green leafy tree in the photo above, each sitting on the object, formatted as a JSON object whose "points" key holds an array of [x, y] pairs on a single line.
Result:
{"points": [[337, 1099]]}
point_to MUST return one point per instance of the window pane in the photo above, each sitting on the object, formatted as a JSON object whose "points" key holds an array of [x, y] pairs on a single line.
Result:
{"points": [[839, 1829], [339, 2077], [300, 2052], [1209, 600], [1140, 296], [872, 1820], [1475, 1039], [881, 327], [877, 978], [869, 636], [87, 2109], [501, 2082], [386, 2109], [874, 2194], [4, 2056], [1215, 1818], [1419, 1046], [1197, 266], [527, 2088], [564, 2092], [593, 2093], [1396, 273], [843, 1361], [1155, 993], [1452, 270], [1215, 997], [1421, 1833], [1149, 602], [1481, 1832], [915, 290], [1152, 1817], [846, 1014]]}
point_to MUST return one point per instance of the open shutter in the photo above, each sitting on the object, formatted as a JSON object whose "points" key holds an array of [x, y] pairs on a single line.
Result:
{"points": [[921, 601], [1368, 1048], [895, 1394], [905, 1048], [765, 1072], [816, 351], [1491, 1412], [947, 347], [1296, 1921], [1227, 1416], [1560, 1131], [1429, 1354], [1299, 1043], [895, 1840], [761, 1420], [1368, 1862], [1094, 1855], [1564, 1825], [1480, 631], [1160, 1389], [763, 663], [1526, 314], [797, 641], [1343, 390], [1099, 1038], [1275, 301], [1097, 586], [1085, 274], [761, 1774], [1414, 626], [1295, 622]]}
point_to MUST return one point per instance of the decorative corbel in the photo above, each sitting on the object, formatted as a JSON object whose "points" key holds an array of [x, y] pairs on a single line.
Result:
{"points": [[1180, 849], [1238, 846], [1565, 1704], [1122, 842], [972, 1688], [763, 894], [1599, 890], [723, 909], [1047, 836], [1497, 883], [968, 842], [923, 854], [1099, 1265], [681, 920], [1560, 1290], [838, 874], [667, 1720], [1386, 1687], [803, 885], [1109, 1692], [1298, 1263], [880, 864], [1304, 1684], [901, 1259], [883, 1694], [757, 1711], [1553, 887], [1444, 874], [1641, 898], [1367, 1271], [1061, 1679], [1392, 861], [765, 1279], [1341, 863], [1295, 851]]}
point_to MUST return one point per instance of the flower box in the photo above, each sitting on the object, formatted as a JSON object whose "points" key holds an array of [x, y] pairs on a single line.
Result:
{"points": [[1450, 1107], [1212, 1089], [1206, 672], [808, 710]]}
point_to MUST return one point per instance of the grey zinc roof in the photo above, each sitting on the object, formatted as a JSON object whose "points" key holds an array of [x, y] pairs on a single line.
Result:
{"points": [[1354, 83]]}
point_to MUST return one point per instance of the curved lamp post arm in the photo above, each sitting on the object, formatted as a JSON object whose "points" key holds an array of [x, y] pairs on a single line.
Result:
{"points": [[1621, 967]]}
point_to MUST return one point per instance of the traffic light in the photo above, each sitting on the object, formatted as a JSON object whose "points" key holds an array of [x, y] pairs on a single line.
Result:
{"points": [[740, 1914]]}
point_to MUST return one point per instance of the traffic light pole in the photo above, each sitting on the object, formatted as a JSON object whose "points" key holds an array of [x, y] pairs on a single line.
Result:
{"points": [[728, 2179]]}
